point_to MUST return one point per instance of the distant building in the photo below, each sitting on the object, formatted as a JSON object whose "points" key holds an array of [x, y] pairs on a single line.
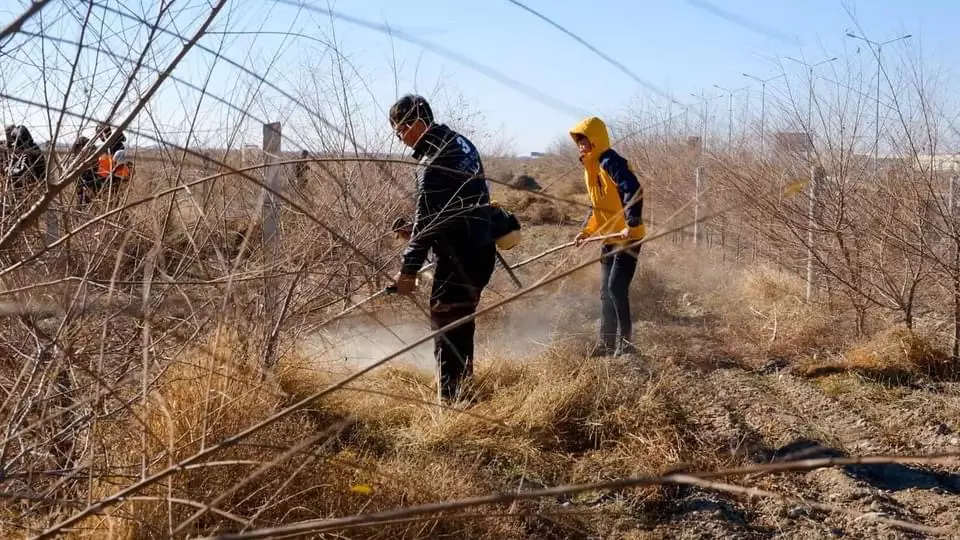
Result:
{"points": [[936, 162], [792, 141], [537, 154]]}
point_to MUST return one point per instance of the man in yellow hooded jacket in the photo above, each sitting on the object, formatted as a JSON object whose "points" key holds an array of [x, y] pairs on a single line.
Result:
{"points": [[616, 198]]}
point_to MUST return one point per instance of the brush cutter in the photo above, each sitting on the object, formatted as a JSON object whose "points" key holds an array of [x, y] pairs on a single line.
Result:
{"points": [[506, 266], [404, 228], [392, 289]]}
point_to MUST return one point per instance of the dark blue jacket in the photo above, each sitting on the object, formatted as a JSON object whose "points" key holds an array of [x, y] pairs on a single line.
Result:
{"points": [[26, 164], [452, 199]]}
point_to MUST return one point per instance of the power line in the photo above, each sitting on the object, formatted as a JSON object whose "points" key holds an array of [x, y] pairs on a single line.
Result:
{"points": [[598, 52], [525, 89], [743, 22]]}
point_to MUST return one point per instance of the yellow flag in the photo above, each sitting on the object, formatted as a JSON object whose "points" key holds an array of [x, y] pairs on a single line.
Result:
{"points": [[794, 188], [362, 489]]}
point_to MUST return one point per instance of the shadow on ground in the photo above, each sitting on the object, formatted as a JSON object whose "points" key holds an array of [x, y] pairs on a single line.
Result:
{"points": [[889, 477]]}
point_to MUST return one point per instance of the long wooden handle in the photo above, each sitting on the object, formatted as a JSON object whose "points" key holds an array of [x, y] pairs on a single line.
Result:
{"points": [[561, 247], [391, 289]]}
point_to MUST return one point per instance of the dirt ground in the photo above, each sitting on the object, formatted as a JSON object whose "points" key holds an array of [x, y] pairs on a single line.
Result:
{"points": [[738, 410]]}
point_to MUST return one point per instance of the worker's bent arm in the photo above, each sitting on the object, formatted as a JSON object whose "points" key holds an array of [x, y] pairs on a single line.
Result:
{"points": [[589, 224], [434, 192]]}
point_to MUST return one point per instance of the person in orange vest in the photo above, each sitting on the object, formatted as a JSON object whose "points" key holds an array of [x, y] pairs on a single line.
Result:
{"points": [[616, 200], [116, 166], [113, 166]]}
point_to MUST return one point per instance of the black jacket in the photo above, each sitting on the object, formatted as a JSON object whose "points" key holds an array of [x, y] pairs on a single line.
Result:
{"points": [[452, 199], [25, 164]]}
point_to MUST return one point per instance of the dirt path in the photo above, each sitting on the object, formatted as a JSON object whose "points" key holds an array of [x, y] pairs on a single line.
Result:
{"points": [[757, 418]]}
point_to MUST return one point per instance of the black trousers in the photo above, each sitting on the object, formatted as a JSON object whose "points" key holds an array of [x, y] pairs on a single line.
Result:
{"points": [[617, 270], [458, 282]]}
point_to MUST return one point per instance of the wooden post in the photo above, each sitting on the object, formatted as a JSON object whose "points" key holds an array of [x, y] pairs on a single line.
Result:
{"points": [[816, 176], [52, 218], [271, 177], [723, 238], [951, 202], [951, 213], [53, 225], [698, 183], [271, 237]]}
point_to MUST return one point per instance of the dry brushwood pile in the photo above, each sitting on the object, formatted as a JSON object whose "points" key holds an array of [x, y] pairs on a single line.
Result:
{"points": [[203, 352]]}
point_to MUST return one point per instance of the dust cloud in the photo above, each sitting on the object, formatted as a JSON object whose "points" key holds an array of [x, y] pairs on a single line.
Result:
{"points": [[519, 330], [360, 341]]}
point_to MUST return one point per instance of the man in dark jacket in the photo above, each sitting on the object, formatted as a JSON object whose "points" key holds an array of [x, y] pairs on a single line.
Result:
{"points": [[451, 219], [26, 166]]}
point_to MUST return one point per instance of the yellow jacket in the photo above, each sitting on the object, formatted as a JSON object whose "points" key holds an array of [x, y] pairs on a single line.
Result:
{"points": [[612, 186]]}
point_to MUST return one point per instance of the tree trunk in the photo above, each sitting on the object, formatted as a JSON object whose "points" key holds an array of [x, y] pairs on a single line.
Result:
{"points": [[956, 297]]}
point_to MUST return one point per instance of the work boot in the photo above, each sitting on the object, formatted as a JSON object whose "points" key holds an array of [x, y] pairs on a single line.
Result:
{"points": [[456, 391], [447, 393], [601, 349], [626, 348]]}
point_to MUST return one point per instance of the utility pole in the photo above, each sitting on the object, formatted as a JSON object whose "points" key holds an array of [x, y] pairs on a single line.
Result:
{"points": [[763, 104], [697, 188], [730, 121], [670, 117], [817, 178], [810, 68], [703, 116], [698, 175], [876, 140]]}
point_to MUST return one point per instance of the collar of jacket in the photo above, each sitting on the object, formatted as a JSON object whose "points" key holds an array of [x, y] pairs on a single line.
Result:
{"points": [[435, 138]]}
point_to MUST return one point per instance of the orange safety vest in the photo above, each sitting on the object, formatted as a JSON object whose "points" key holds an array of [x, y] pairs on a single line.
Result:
{"points": [[105, 167]]}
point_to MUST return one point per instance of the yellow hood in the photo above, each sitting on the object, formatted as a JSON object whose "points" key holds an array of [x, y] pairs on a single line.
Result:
{"points": [[595, 131]]}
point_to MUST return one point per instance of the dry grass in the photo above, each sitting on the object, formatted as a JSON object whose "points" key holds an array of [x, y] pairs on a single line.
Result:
{"points": [[549, 420], [900, 354], [532, 209], [536, 420], [540, 419], [98, 400], [753, 312], [773, 310], [213, 392]]}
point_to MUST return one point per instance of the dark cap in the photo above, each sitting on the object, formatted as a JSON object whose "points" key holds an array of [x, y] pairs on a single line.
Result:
{"points": [[18, 136]]}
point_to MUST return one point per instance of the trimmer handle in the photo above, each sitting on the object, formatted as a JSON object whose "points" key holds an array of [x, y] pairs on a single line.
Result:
{"points": [[391, 289]]}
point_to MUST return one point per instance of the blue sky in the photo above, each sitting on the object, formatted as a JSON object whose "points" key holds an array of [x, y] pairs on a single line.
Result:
{"points": [[675, 45], [681, 47], [678, 46]]}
